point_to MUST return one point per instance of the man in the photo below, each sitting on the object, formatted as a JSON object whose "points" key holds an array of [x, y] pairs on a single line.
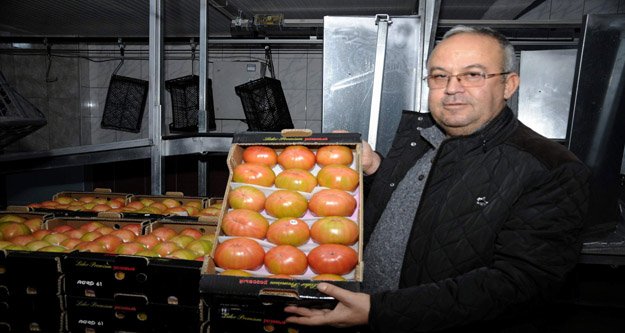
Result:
{"points": [[475, 219]]}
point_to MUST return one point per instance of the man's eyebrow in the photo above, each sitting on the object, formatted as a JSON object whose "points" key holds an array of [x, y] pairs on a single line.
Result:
{"points": [[472, 66]]}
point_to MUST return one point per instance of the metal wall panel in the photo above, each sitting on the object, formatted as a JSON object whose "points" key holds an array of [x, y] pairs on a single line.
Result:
{"points": [[349, 49], [545, 90]]}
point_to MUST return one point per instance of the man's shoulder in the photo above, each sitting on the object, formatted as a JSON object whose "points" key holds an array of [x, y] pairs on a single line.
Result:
{"points": [[548, 152]]}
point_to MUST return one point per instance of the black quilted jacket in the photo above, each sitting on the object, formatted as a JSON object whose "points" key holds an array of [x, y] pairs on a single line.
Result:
{"points": [[495, 234]]}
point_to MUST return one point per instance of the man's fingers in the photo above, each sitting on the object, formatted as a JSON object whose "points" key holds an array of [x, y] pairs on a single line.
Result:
{"points": [[301, 311], [341, 295]]}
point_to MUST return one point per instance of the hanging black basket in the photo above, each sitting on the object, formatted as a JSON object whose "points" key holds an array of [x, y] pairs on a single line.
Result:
{"points": [[125, 103], [185, 100], [18, 116], [264, 105]]}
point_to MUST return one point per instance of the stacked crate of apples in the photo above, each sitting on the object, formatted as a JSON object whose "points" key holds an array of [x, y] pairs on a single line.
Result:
{"points": [[292, 212]]}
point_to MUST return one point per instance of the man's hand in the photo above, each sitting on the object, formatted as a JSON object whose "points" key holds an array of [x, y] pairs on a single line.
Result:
{"points": [[352, 309], [370, 160]]}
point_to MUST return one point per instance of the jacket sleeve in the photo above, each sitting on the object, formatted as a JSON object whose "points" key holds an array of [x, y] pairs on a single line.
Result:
{"points": [[535, 248]]}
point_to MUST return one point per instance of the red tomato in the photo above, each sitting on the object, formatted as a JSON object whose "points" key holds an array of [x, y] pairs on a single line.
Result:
{"points": [[297, 157], [296, 179], [244, 223], [286, 259], [288, 231], [261, 155], [335, 230], [327, 155], [252, 173], [286, 203], [339, 177], [332, 202], [332, 259], [239, 253], [247, 197]]}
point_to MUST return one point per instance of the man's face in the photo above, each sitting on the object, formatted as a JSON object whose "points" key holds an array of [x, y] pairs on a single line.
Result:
{"points": [[463, 110]]}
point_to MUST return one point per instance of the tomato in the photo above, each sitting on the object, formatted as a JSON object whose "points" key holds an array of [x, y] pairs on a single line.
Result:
{"points": [[286, 203], [288, 231], [247, 197], [332, 259], [261, 155], [339, 177], [297, 157], [332, 202], [286, 259], [327, 155], [335, 230], [239, 253], [252, 173], [296, 179], [244, 223]]}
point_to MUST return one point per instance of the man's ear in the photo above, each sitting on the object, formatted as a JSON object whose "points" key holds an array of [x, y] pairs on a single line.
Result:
{"points": [[511, 85]]}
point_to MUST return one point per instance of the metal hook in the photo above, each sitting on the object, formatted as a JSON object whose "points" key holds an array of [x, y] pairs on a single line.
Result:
{"points": [[122, 48], [269, 61], [49, 61]]}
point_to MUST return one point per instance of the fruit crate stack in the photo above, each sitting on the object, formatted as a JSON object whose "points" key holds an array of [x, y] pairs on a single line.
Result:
{"points": [[87, 204], [287, 195], [31, 292]]}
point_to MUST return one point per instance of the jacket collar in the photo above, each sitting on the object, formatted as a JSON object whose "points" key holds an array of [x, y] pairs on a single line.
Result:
{"points": [[490, 134]]}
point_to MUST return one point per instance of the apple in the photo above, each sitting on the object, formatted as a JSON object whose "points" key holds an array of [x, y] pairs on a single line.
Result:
{"points": [[200, 247], [33, 224], [164, 233], [39, 234], [130, 248], [100, 201], [336, 230], [135, 205], [146, 201], [148, 240], [339, 177], [251, 173], [134, 227], [165, 248], [11, 218], [286, 259], [171, 203], [288, 231], [90, 236], [70, 243], [36, 245], [52, 248], [90, 246], [261, 155], [179, 211], [91, 226], [22, 239], [147, 253], [105, 230], [12, 229], [64, 200], [49, 204], [55, 238], [4, 244], [101, 208], [86, 199], [182, 240], [210, 211], [244, 223], [328, 155], [297, 157], [62, 228], [332, 202], [159, 206], [196, 234], [75, 233], [109, 242], [193, 203], [124, 234], [246, 197], [296, 179], [182, 254], [286, 203]]}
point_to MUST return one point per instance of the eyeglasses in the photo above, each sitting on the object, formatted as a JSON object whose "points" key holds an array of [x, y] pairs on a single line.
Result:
{"points": [[468, 79]]}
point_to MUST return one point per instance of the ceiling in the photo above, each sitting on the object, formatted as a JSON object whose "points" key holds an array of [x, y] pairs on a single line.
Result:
{"points": [[130, 18]]}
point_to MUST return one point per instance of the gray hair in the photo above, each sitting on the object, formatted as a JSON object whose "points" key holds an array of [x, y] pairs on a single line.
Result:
{"points": [[509, 59]]}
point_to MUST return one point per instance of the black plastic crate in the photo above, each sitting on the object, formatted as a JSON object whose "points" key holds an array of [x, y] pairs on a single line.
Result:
{"points": [[264, 105], [18, 116], [185, 100], [125, 103]]}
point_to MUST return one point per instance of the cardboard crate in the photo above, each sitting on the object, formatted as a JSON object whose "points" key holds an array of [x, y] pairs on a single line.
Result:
{"points": [[23, 214], [41, 315], [89, 274], [94, 315], [261, 289], [47, 207], [34, 274]]}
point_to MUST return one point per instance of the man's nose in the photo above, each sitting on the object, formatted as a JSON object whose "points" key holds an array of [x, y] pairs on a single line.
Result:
{"points": [[453, 85]]}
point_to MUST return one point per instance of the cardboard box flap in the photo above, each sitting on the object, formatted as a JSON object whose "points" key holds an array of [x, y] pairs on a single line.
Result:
{"points": [[274, 137]]}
